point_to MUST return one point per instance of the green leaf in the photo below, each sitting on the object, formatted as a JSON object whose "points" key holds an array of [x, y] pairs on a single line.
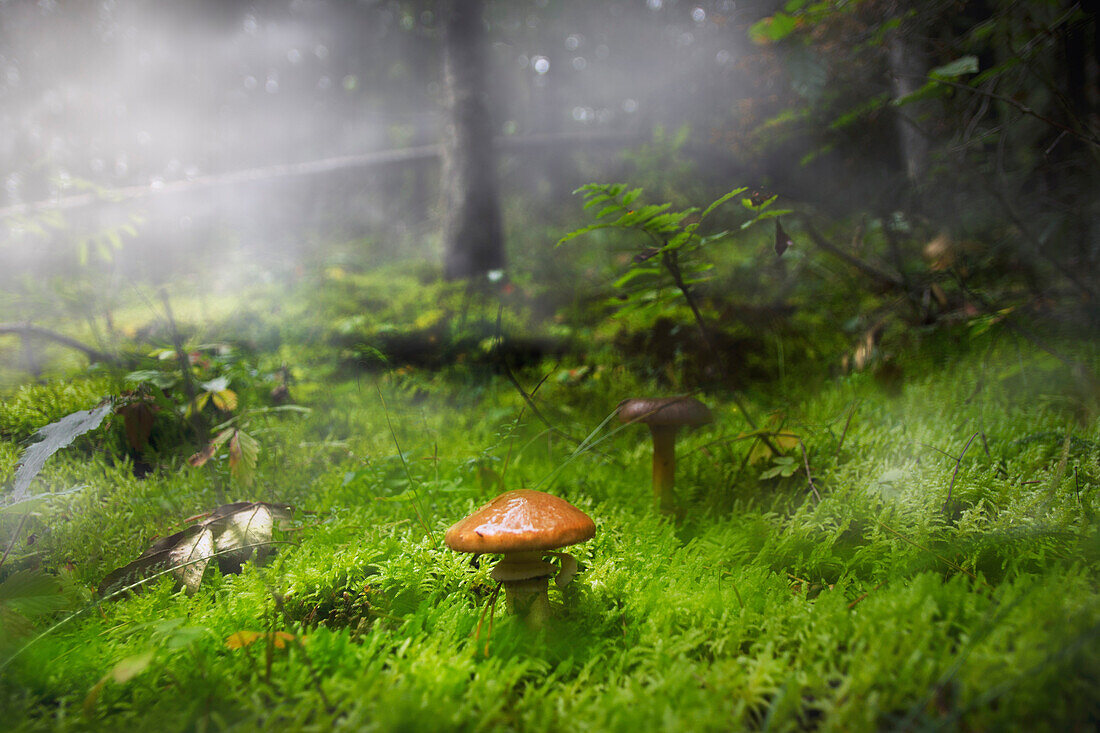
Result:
{"points": [[595, 200], [929, 90], [243, 453], [859, 111], [670, 222], [710, 238], [584, 230], [590, 188], [631, 195], [772, 29], [773, 213], [32, 592], [816, 153], [640, 216], [636, 273], [197, 404], [131, 667], [997, 70], [164, 380], [958, 67]]}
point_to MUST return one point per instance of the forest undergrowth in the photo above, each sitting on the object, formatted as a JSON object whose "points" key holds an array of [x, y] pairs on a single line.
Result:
{"points": [[922, 556]]}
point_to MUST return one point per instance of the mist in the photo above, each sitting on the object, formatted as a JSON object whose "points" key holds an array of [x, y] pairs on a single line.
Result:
{"points": [[232, 130]]}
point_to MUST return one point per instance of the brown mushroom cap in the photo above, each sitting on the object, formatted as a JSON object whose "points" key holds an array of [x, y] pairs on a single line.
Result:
{"points": [[523, 520], [665, 411]]}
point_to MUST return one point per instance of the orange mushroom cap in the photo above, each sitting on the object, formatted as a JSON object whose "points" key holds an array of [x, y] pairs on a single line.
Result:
{"points": [[523, 520]]}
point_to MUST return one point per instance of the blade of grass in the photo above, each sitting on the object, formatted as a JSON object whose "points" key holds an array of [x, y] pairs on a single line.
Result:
{"points": [[417, 506]]}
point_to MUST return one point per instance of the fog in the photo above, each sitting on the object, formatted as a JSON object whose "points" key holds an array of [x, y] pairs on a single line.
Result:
{"points": [[157, 135]]}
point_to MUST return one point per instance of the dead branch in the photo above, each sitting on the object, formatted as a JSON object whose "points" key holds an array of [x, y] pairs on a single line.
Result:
{"points": [[882, 277], [29, 329], [506, 145]]}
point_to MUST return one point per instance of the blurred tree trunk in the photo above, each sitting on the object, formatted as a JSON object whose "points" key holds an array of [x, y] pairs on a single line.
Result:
{"points": [[908, 69], [472, 238]]}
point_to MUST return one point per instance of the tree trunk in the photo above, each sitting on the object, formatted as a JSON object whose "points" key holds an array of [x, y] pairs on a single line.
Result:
{"points": [[908, 68], [472, 240]]}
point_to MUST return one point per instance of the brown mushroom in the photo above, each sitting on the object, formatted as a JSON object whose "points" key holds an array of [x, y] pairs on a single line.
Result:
{"points": [[664, 417], [524, 526]]}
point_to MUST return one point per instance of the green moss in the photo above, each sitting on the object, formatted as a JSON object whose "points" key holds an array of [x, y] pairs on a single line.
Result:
{"points": [[880, 606]]}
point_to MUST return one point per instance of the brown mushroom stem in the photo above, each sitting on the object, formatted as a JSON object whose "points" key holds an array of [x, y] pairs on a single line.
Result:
{"points": [[664, 465]]}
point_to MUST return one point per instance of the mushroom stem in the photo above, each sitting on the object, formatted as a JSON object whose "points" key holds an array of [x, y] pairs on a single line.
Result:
{"points": [[528, 599], [664, 465], [524, 576]]}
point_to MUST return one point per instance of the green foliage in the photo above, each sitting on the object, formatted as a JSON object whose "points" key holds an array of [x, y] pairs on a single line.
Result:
{"points": [[671, 251], [995, 79], [869, 609], [34, 406]]}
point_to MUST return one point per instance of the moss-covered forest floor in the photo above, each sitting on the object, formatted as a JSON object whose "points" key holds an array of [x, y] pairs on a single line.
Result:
{"points": [[940, 573]]}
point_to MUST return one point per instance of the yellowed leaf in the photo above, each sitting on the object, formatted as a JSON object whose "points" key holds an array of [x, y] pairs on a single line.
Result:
{"points": [[225, 400], [240, 639]]}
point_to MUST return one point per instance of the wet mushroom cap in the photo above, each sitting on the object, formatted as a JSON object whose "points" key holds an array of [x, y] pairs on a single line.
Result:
{"points": [[523, 520], [665, 411]]}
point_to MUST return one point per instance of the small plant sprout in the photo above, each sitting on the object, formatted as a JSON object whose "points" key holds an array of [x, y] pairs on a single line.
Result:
{"points": [[664, 418], [525, 526]]}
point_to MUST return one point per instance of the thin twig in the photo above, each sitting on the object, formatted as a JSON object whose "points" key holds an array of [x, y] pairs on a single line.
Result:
{"points": [[934, 554], [508, 145], [490, 608], [844, 433], [184, 363], [671, 262], [412, 483], [534, 408], [14, 538], [856, 602], [519, 388], [883, 278], [941, 451], [1083, 137], [955, 473], [809, 476]]}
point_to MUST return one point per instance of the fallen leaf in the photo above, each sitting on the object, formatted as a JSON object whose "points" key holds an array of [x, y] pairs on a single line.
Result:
{"points": [[190, 557], [241, 639], [242, 528], [51, 439], [194, 543], [232, 533]]}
